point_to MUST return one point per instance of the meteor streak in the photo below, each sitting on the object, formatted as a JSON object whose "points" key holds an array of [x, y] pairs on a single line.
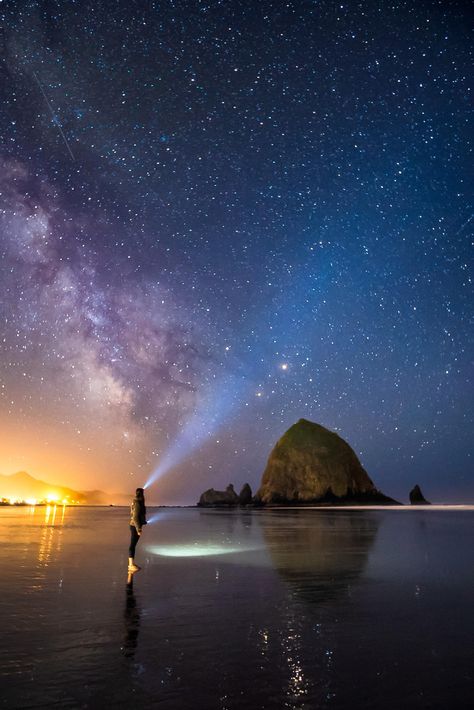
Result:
{"points": [[54, 118]]}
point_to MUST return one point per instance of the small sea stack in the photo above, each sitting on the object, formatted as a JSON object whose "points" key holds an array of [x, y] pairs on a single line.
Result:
{"points": [[417, 497], [245, 495]]}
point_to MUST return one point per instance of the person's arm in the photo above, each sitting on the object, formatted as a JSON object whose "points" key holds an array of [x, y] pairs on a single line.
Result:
{"points": [[136, 517]]}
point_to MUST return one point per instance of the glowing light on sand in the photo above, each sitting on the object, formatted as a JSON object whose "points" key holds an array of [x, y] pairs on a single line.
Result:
{"points": [[199, 550]]}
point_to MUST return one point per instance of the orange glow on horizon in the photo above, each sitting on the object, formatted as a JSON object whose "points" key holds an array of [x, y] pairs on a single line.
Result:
{"points": [[52, 499], [55, 457]]}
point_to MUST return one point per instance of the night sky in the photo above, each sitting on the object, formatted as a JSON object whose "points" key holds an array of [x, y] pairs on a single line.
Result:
{"points": [[218, 217]]}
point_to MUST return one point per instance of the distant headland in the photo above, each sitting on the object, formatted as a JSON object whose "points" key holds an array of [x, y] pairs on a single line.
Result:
{"points": [[23, 489]]}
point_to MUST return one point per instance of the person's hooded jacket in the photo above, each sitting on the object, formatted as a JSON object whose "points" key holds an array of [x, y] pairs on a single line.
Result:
{"points": [[138, 513]]}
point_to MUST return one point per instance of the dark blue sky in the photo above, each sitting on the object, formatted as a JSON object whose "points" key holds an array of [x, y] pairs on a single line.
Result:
{"points": [[219, 217]]}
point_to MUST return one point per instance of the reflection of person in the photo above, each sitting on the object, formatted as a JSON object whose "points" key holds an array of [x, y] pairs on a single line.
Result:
{"points": [[137, 520], [132, 620]]}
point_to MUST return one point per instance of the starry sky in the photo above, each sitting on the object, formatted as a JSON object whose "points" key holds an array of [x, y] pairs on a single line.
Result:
{"points": [[220, 216]]}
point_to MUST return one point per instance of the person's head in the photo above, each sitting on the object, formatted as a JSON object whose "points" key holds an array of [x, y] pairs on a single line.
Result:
{"points": [[139, 493]]}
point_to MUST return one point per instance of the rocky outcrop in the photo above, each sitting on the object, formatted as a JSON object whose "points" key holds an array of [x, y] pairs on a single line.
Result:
{"points": [[212, 498], [417, 497], [245, 495], [311, 464]]}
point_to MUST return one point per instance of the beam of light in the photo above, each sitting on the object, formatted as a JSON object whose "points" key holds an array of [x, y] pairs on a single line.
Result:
{"points": [[227, 394], [199, 550], [155, 518], [215, 407]]}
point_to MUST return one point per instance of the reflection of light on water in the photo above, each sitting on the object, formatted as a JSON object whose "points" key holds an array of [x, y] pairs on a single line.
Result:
{"points": [[263, 641], [46, 539], [297, 681], [197, 550], [50, 527], [292, 645]]}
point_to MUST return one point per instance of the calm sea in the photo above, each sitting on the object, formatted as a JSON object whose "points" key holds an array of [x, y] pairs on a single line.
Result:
{"points": [[261, 609]]}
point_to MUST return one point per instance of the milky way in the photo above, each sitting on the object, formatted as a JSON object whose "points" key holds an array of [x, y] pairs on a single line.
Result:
{"points": [[219, 217]]}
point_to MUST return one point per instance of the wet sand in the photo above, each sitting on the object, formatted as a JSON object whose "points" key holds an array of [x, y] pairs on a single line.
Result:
{"points": [[258, 609]]}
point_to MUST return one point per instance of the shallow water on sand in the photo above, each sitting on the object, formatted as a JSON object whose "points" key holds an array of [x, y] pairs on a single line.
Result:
{"points": [[261, 609]]}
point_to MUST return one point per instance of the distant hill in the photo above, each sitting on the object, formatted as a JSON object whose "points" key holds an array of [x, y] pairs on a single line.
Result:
{"points": [[23, 486]]}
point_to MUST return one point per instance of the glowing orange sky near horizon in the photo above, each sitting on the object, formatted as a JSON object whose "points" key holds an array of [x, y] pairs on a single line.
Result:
{"points": [[80, 461]]}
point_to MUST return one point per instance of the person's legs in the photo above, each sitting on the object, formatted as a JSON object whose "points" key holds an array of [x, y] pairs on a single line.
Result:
{"points": [[134, 538]]}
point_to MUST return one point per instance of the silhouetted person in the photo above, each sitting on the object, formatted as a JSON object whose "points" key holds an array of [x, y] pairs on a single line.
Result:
{"points": [[137, 520]]}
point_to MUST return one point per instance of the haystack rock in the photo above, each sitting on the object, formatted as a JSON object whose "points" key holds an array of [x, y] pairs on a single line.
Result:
{"points": [[417, 497], [311, 464], [212, 497]]}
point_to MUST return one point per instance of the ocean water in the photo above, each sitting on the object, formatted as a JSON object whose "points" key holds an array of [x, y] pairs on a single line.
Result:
{"points": [[258, 609]]}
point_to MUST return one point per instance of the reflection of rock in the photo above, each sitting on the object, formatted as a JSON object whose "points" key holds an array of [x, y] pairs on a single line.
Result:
{"points": [[417, 497], [245, 495], [320, 553], [215, 498], [311, 464]]}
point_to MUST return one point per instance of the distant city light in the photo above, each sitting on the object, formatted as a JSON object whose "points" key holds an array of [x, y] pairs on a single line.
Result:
{"points": [[50, 499]]}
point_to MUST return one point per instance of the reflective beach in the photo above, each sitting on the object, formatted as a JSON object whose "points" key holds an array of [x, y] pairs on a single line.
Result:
{"points": [[246, 609]]}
